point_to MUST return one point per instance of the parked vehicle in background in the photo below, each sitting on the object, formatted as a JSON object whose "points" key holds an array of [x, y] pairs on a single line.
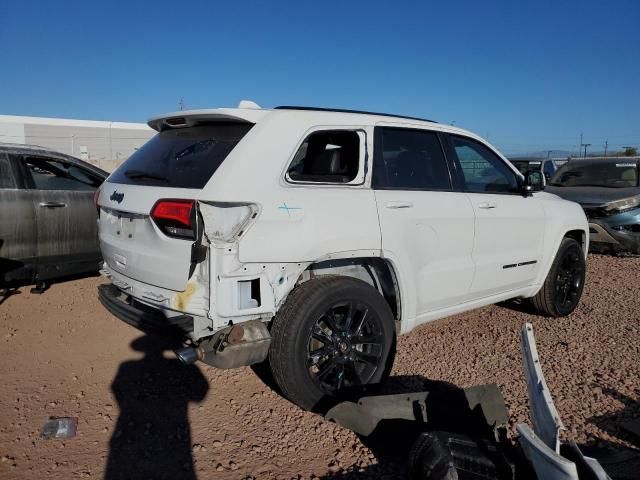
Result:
{"points": [[311, 237], [547, 167], [47, 216], [609, 193]]}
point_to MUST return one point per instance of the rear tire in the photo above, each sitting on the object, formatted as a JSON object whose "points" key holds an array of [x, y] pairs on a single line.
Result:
{"points": [[331, 334], [562, 289]]}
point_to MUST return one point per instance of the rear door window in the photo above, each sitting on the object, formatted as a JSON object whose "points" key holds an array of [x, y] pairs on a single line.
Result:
{"points": [[409, 159], [181, 157]]}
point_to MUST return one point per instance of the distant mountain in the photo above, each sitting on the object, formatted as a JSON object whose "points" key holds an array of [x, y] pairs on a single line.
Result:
{"points": [[544, 154]]}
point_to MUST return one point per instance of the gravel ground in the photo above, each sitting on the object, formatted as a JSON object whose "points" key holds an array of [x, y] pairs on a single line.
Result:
{"points": [[142, 415]]}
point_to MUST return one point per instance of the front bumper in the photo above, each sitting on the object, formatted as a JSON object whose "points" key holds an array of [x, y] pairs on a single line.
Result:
{"points": [[141, 316], [603, 237]]}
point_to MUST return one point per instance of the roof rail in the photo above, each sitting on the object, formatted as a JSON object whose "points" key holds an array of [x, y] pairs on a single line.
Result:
{"points": [[342, 110]]}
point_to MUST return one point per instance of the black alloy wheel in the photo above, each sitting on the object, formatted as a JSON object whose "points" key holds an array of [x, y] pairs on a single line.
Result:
{"points": [[345, 346], [569, 279]]}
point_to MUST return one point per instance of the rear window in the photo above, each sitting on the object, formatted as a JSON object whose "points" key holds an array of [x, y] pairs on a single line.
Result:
{"points": [[182, 157]]}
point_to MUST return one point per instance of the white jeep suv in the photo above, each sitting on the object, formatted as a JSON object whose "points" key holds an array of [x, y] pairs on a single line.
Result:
{"points": [[308, 238]]}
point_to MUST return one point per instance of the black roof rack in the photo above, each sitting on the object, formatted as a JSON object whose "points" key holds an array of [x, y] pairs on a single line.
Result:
{"points": [[342, 110]]}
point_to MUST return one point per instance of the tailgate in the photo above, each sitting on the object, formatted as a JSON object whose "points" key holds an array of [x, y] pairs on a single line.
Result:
{"points": [[131, 242]]}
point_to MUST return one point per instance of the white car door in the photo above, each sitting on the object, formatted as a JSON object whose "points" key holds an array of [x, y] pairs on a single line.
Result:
{"points": [[427, 227], [509, 227]]}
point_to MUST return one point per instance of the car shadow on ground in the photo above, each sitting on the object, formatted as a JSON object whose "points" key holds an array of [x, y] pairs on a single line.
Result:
{"points": [[152, 437], [620, 462], [5, 293], [520, 305], [15, 288]]}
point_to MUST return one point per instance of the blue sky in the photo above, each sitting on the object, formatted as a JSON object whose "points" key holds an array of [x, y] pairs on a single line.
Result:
{"points": [[528, 77]]}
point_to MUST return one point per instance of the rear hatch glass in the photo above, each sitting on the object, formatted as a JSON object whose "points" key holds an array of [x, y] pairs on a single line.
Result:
{"points": [[181, 157]]}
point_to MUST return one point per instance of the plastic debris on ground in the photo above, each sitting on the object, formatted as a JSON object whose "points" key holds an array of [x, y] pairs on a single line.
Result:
{"points": [[60, 427]]}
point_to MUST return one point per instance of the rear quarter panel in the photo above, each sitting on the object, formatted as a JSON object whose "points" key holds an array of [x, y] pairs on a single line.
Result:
{"points": [[296, 222]]}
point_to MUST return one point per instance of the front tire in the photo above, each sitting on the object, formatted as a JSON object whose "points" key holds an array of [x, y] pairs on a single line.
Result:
{"points": [[562, 289], [332, 333]]}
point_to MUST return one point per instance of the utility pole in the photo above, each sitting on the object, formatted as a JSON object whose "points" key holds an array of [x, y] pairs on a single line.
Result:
{"points": [[606, 145], [581, 145], [585, 149], [181, 103], [549, 154]]}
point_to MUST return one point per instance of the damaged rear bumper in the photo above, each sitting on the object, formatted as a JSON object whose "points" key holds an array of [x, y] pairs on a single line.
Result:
{"points": [[141, 316]]}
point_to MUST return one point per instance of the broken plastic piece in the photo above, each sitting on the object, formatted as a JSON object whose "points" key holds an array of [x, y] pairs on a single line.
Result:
{"points": [[479, 408], [544, 416], [60, 427]]}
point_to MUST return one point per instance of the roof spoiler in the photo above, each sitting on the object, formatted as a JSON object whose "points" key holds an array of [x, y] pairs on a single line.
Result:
{"points": [[247, 112]]}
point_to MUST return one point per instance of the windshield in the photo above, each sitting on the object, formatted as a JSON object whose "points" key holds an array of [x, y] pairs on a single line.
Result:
{"points": [[615, 174], [181, 157]]}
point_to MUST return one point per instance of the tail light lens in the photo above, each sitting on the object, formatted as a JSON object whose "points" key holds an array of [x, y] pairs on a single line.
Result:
{"points": [[176, 218]]}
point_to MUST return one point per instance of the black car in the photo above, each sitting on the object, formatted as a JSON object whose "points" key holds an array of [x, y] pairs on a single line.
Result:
{"points": [[609, 192], [48, 218]]}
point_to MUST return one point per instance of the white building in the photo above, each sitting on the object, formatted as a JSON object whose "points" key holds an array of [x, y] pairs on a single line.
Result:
{"points": [[105, 144]]}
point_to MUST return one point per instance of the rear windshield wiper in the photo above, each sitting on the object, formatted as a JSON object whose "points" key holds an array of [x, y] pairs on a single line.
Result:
{"points": [[141, 174]]}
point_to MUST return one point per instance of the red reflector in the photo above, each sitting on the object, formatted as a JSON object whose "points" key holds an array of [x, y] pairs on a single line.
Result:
{"points": [[176, 210]]}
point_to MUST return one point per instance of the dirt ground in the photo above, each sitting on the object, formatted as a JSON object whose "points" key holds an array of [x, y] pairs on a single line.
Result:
{"points": [[143, 415]]}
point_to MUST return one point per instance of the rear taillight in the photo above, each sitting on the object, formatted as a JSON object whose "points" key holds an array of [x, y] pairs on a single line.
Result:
{"points": [[176, 218]]}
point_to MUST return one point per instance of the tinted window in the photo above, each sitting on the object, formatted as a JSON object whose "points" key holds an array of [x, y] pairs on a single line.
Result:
{"points": [[48, 174], [7, 179], [616, 173], [328, 156], [181, 157], [410, 159], [482, 170]]}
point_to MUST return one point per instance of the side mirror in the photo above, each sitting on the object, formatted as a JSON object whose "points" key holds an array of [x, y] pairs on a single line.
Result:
{"points": [[534, 181]]}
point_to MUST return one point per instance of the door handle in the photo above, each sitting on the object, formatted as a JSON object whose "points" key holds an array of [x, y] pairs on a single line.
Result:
{"points": [[52, 204], [398, 204], [487, 205]]}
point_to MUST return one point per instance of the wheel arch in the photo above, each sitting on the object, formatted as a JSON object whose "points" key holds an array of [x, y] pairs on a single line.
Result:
{"points": [[579, 236], [376, 271]]}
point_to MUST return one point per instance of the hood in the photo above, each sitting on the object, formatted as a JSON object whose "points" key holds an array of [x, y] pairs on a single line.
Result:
{"points": [[592, 196]]}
